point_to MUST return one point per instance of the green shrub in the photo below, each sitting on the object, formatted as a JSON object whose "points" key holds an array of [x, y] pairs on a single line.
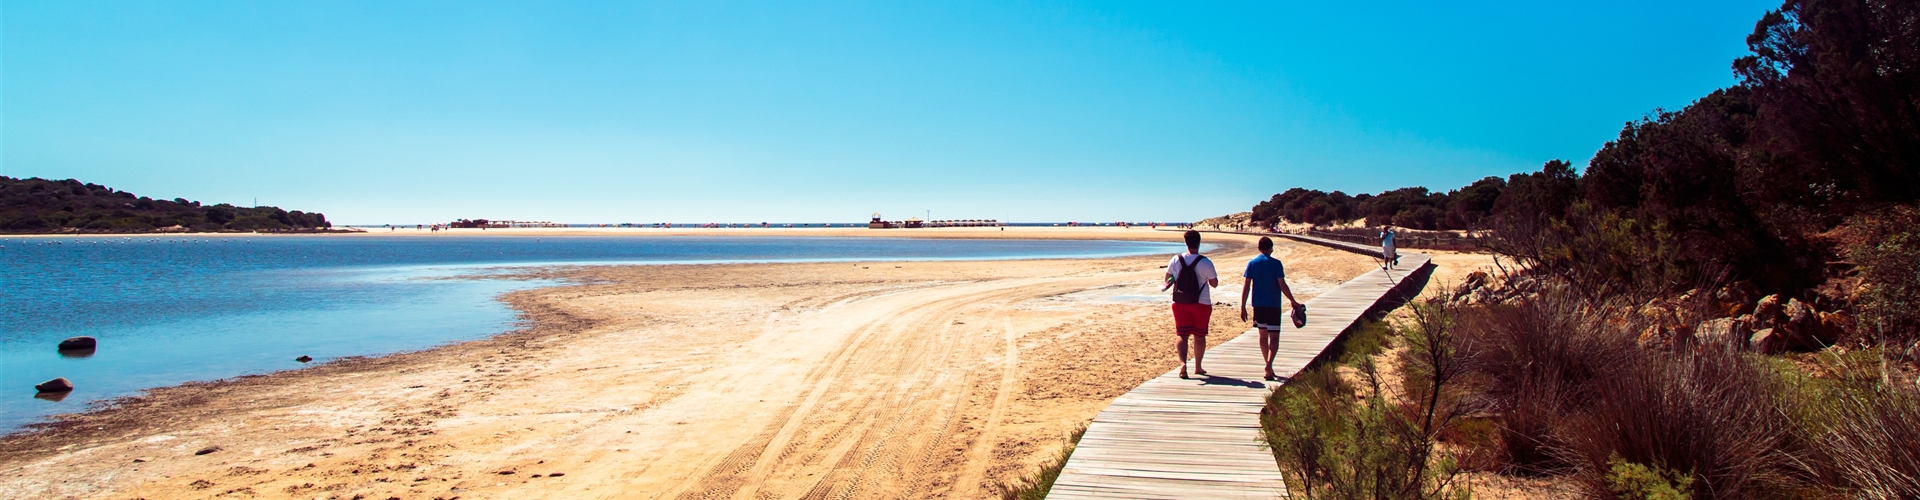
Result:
{"points": [[1335, 440], [1888, 256], [1631, 481]]}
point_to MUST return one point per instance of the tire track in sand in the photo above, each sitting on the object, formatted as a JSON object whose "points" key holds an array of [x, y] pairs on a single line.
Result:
{"points": [[905, 363], [973, 477]]}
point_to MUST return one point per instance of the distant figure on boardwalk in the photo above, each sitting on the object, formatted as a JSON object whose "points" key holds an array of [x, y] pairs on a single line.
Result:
{"points": [[1388, 257], [1266, 281], [1190, 275]]}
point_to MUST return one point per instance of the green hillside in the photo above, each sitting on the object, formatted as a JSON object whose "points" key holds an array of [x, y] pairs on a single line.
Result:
{"points": [[37, 205]]}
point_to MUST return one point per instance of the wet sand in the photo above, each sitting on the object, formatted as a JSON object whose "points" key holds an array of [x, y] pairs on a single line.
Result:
{"points": [[862, 380]]}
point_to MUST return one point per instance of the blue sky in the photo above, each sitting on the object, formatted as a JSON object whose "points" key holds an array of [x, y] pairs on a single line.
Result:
{"points": [[420, 111]]}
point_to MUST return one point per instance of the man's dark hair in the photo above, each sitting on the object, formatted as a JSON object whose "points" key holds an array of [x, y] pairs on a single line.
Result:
{"points": [[1193, 240], [1266, 245]]}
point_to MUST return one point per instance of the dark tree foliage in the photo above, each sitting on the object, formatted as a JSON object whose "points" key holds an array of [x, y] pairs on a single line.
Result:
{"points": [[37, 205], [1824, 125], [1413, 207], [1837, 88]]}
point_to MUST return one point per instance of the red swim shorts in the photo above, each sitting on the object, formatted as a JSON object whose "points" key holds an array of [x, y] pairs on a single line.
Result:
{"points": [[1191, 319]]}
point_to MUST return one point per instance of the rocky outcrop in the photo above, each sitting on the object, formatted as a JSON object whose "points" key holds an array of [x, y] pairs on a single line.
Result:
{"points": [[1736, 316], [1724, 332], [1474, 282], [56, 385], [1769, 341], [1736, 299], [1768, 310], [1664, 327]]}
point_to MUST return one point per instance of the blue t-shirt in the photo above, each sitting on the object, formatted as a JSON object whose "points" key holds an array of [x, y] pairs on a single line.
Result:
{"points": [[1265, 273]]}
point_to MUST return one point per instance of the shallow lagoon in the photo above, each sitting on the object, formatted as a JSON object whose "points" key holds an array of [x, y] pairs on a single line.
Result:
{"points": [[172, 309]]}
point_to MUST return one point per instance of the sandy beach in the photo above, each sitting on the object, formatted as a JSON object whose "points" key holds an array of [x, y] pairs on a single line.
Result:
{"points": [[826, 380]]}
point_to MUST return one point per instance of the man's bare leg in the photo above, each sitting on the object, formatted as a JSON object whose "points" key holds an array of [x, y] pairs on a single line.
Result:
{"points": [[1199, 352], [1181, 345], [1269, 347]]}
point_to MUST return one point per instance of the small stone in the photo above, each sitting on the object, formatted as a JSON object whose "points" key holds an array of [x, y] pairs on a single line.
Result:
{"points": [[505, 473], [303, 358], [78, 343], [556, 474], [60, 384], [206, 450], [139, 460]]}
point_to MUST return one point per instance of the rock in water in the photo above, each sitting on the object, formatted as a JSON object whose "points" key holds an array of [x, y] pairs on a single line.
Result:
{"points": [[56, 385], [78, 344], [303, 359]]}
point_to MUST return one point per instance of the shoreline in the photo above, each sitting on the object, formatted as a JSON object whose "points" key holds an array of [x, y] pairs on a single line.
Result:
{"points": [[546, 271], [1022, 232], [554, 317]]}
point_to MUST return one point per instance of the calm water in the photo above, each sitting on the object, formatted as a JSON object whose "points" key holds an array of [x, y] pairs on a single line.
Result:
{"points": [[174, 309]]}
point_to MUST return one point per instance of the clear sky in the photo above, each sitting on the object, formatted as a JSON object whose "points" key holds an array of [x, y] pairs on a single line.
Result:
{"points": [[424, 111]]}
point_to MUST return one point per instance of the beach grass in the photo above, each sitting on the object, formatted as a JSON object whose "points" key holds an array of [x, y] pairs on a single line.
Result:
{"points": [[1036, 486]]}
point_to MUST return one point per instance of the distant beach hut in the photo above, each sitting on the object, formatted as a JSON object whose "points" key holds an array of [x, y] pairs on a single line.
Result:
{"points": [[876, 223]]}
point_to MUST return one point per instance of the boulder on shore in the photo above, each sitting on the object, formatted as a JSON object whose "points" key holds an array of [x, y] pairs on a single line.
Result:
{"points": [[78, 343], [303, 358], [56, 385]]}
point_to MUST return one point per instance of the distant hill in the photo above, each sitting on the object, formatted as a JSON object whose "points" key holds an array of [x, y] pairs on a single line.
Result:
{"points": [[36, 205]]}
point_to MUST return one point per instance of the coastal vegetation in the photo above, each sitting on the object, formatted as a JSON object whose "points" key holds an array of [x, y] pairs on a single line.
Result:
{"points": [[1748, 183], [1720, 305], [1036, 485], [36, 205]]}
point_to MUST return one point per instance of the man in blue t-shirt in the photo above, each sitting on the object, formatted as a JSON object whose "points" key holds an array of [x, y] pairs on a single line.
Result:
{"points": [[1266, 280]]}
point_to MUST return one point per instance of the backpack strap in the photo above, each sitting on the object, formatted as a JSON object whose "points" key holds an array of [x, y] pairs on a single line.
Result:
{"points": [[1186, 266]]}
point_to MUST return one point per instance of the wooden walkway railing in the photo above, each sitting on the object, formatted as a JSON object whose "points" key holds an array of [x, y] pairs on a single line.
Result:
{"points": [[1200, 438]]}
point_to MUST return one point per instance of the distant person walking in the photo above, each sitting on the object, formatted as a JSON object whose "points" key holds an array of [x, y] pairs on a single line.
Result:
{"points": [[1190, 275], [1266, 281], [1388, 257]]}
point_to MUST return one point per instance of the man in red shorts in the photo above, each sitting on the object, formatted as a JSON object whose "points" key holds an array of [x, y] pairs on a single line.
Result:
{"points": [[1190, 275]]}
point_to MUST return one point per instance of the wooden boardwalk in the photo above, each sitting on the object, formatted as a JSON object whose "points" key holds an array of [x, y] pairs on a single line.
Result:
{"points": [[1200, 438]]}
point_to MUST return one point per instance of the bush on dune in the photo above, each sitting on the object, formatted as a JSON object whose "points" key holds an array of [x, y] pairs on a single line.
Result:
{"points": [[1886, 247], [1336, 438]]}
